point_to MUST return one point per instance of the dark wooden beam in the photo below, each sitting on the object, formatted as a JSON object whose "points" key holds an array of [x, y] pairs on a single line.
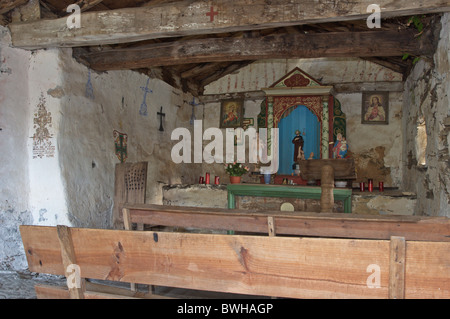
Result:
{"points": [[284, 46], [190, 17]]}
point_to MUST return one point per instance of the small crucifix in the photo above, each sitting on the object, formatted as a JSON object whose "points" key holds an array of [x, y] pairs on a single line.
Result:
{"points": [[161, 114], [211, 14]]}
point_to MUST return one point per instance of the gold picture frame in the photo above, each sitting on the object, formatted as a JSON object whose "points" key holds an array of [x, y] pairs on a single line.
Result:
{"points": [[231, 113], [375, 108]]}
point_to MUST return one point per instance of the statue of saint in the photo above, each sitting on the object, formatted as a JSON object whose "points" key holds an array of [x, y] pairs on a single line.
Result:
{"points": [[340, 147], [298, 146]]}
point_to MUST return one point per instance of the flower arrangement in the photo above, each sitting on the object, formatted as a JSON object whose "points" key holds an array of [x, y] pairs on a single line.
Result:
{"points": [[236, 169]]}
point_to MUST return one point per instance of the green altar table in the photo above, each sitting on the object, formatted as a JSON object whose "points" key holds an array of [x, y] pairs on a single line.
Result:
{"points": [[286, 191]]}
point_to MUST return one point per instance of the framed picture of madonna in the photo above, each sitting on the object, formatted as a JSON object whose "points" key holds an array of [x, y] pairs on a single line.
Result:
{"points": [[231, 113], [375, 108]]}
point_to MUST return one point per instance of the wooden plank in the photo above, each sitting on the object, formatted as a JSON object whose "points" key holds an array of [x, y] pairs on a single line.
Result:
{"points": [[189, 17], [255, 265], [120, 193], [93, 291], [397, 257], [279, 46], [128, 226], [343, 168], [69, 259], [418, 275], [296, 223], [242, 266], [51, 292]]}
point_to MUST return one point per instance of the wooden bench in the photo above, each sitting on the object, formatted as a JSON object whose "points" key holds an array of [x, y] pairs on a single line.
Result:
{"points": [[344, 256]]}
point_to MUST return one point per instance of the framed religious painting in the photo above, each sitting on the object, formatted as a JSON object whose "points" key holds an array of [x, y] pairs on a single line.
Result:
{"points": [[375, 108], [231, 113]]}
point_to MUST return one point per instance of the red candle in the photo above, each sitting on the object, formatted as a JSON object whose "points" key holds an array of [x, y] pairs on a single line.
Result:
{"points": [[361, 186], [370, 185], [381, 186], [216, 180], [207, 178], [201, 181]]}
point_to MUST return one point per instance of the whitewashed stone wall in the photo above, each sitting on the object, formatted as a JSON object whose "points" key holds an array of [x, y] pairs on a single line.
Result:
{"points": [[87, 148], [58, 153], [14, 136]]}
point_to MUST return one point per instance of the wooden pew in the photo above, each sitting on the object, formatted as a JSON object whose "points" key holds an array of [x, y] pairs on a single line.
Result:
{"points": [[337, 225], [413, 264]]}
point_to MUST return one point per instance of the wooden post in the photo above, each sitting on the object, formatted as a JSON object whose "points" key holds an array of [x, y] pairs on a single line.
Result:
{"points": [[69, 262], [327, 184], [126, 219], [397, 268], [128, 226]]}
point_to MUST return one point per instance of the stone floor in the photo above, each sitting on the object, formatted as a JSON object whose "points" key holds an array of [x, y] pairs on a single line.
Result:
{"points": [[20, 285]]}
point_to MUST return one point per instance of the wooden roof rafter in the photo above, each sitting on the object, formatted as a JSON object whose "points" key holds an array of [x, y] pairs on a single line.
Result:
{"points": [[175, 25]]}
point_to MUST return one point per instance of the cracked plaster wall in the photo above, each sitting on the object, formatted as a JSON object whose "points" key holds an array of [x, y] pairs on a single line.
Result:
{"points": [[427, 97]]}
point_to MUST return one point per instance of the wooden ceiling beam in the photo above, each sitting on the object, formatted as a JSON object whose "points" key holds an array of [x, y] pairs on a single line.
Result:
{"points": [[192, 17], [285, 46]]}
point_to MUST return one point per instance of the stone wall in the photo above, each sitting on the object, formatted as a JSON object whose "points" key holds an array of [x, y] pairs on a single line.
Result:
{"points": [[427, 107], [58, 153], [86, 135], [14, 138]]}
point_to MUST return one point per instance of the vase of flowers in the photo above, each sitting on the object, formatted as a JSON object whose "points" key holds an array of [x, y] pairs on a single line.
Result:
{"points": [[236, 170]]}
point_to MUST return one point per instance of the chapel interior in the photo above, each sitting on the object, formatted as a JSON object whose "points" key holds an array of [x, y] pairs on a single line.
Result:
{"points": [[112, 103]]}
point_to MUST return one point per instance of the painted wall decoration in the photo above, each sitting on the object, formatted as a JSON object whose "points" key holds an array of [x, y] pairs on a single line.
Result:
{"points": [[120, 143], [143, 109], [375, 108], [262, 116], [89, 88], [231, 113], [42, 138], [193, 104], [339, 120]]}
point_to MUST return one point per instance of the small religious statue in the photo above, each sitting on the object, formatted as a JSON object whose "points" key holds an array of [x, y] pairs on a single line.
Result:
{"points": [[340, 147], [298, 146]]}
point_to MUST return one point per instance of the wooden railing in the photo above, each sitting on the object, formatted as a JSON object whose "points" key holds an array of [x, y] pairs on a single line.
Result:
{"points": [[343, 256]]}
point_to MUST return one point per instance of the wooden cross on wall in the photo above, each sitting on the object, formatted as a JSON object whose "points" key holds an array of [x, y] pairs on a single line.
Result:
{"points": [[161, 114]]}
